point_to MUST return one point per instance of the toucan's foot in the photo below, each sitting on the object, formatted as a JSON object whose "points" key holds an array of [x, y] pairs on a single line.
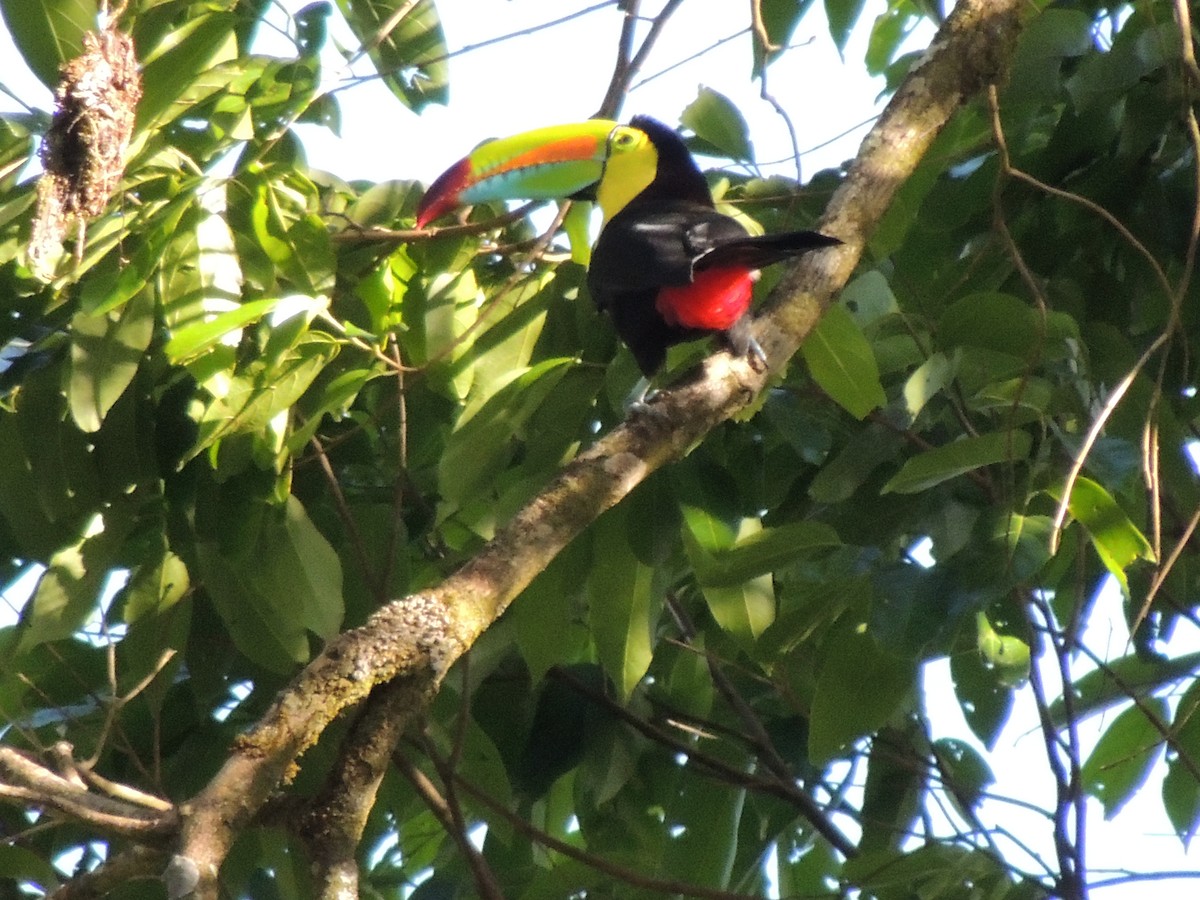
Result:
{"points": [[741, 342], [639, 401], [756, 355], [639, 398], [647, 412]]}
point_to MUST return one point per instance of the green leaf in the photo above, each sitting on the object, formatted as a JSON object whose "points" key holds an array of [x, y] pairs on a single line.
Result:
{"points": [[157, 611], [1005, 654], [406, 43], [893, 790], [843, 475], [1117, 540], [274, 643], [859, 688], [118, 280], [758, 551], [1099, 690], [719, 125], [707, 817], [806, 867], [482, 765], [69, 590], [744, 610], [279, 236], [934, 871], [48, 32], [690, 685], [38, 531], [744, 606], [842, 15], [283, 586], [932, 467], [929, 380], [1001, 323], [1026, 540], [888, 32], [106, 350], [250, 402], [1051, 37], [1026, 393], [621, 604], [302, 573], [191, 48], [1181, 785], [869, 298], [479, 448], [965, 774], [843, 364], [22, 866], [1124, 755], [546, 614], [779, 20], [197, 338], [312, 28]]}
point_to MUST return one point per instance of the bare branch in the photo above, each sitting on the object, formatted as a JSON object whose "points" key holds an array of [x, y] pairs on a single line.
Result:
{"points": [[627, 65], [621, 873], [448, 811], [29, 783], [785, 788], [331, 824]]}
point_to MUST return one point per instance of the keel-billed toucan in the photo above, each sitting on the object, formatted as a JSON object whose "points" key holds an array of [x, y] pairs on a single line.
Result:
{"points": [[667, 266]]}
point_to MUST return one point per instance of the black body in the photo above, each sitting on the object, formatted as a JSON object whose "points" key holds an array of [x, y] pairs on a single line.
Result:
{"points": [[664, 236]]}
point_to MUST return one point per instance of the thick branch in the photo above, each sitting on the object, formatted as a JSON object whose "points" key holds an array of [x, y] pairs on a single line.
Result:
{"points": [[331, 824], [421, 636]]}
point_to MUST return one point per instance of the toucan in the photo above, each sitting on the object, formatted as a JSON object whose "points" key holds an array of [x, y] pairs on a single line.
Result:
{"points": [[667, 266]]}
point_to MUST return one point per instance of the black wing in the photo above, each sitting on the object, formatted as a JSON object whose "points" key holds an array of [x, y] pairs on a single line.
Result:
{"points": [[643, 249]]}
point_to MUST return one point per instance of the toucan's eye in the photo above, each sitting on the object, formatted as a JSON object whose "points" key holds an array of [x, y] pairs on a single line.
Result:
{"points": [[623, 140]]}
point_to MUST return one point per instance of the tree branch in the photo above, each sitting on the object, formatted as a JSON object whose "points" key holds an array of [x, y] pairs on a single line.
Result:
{"points": [[134, 864], [29, 783], [786, 789], [628, 63], [600, 864], [331, 824]]}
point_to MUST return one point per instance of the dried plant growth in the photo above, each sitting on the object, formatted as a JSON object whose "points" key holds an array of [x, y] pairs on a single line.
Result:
{"points": [[84, 150]]}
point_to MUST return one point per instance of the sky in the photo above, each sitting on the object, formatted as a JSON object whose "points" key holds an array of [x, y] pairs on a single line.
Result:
{"points": [[560, 75]]}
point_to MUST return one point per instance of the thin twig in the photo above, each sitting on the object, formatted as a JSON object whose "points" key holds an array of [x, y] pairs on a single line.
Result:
{"points": [[786, 789], [599, 863], [1069, 806], [450, 818], [357, 544], [627, 65], [757, 733]]}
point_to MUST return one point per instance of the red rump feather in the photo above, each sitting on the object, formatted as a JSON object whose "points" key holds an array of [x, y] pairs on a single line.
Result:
{"points": [[716, 299]]}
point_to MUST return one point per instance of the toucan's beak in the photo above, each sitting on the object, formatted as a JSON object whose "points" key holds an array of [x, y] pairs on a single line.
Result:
{"points": [[543, 164]]}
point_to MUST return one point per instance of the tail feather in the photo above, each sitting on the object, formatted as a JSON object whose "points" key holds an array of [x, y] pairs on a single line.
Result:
{"points": [[757, 251]]}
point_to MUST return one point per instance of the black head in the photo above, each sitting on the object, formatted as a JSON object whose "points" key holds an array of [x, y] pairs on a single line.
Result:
{"points": [[678, 176]]}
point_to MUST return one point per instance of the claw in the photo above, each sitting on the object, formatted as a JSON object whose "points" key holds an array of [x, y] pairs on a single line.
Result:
{"points": [[637, 400], [756, 355]]}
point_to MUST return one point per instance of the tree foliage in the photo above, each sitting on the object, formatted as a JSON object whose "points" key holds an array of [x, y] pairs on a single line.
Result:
{"points": [[248, 406]]}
